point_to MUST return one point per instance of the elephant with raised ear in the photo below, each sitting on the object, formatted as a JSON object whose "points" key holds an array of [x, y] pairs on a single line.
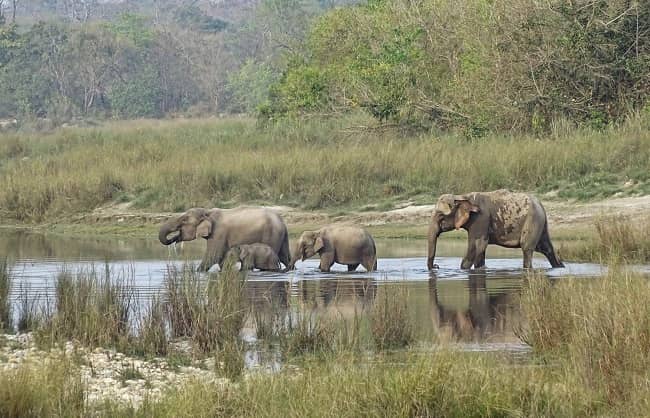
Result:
{"points": [[511, 220], [342, 244], [226, 228], [256, 256]]}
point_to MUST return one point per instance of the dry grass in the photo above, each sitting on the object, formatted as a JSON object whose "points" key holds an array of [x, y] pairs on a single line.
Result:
{"points": [[598, 327], [624, 240], [313, 164], [52, 390]]}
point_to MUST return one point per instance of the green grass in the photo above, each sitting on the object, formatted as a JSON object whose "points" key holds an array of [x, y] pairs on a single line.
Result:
{"points": [[313, 165], [92, 307]]}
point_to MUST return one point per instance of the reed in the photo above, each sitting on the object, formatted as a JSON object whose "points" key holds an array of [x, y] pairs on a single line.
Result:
{"points": [[92, 308], [390, 319], [6, 317], [598, 328]]}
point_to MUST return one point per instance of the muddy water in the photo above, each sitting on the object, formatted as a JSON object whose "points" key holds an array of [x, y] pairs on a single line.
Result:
{"points": [[476, 309]]}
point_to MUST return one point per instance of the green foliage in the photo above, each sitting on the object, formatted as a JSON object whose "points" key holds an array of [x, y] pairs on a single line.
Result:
{"points": [[250, 85], [302, 89], [476, 66], [191, 16], [137, 97], [134, 28]]}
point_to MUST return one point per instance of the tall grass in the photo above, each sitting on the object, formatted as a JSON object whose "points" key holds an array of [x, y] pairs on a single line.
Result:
{"points": [[597, 328], [625, 240], [152, 330], [314, 164], [6, 321], [92, 308], [210, 313], [54, 389], [443, 384], [390, 319]]}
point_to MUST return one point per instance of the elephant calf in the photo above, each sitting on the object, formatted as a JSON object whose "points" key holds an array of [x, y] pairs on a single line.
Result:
{"points": [[259, 256], [349, 245]]}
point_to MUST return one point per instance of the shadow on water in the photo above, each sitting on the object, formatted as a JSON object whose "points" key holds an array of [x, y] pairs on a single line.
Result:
{"points": [[476, 309]]}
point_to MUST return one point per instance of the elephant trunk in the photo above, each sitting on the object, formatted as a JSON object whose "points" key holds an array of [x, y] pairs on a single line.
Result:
{"points": [[166, 229], [434, 231]]}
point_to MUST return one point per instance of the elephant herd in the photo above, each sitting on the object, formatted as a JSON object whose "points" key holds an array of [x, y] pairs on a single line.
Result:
{"points": [[258, 236]]}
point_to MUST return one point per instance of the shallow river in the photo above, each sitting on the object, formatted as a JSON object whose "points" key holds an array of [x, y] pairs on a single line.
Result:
{"points": [[476, 309]]}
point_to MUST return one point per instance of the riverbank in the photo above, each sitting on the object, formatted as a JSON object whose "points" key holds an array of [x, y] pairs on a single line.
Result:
{"points": [[574, 225]]}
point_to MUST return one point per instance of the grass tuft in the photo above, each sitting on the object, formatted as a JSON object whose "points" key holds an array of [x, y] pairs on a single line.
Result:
{"points": [[6, 321], [390, 320]]}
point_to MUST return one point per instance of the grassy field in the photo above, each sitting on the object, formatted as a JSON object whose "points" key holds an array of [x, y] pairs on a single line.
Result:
{"points": [[320, 164]]}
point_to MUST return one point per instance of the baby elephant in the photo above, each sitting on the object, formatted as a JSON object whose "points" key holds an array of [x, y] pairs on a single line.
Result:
{"points": [[259, 256], [349, 245]]}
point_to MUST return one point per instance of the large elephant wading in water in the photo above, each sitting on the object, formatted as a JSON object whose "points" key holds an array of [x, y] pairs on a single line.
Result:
{"points": [[512, 220], [226, 228]]}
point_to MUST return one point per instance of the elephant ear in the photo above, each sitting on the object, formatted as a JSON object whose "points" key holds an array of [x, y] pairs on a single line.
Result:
{"points": [[318, 244], [464, 209], [205, 228]]}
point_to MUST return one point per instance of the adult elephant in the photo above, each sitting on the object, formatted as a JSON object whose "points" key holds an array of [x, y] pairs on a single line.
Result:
{"points": [[226, 228], [350, 245], [512, 220]]}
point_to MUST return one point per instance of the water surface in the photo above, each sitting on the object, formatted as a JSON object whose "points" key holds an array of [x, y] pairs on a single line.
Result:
{"points": [[477, 309]]}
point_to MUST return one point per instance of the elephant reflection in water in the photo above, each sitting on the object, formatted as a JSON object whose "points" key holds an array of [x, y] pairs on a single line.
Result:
{"points": [[485, 316], [345, 296]]}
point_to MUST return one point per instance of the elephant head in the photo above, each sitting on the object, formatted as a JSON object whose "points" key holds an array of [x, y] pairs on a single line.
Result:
{"points": [[194, 223], [452, 212], [309, 243]]}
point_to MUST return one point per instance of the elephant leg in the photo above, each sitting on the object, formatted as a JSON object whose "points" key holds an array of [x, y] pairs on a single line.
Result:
{"points": [[326, 262], [370, 263], [468, 260], [285, 255], [480, 245], [214, 254], [528, 258], [352, 267]]}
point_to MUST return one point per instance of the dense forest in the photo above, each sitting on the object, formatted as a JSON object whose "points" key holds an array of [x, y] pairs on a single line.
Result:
{"points": [[475, 66]]}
